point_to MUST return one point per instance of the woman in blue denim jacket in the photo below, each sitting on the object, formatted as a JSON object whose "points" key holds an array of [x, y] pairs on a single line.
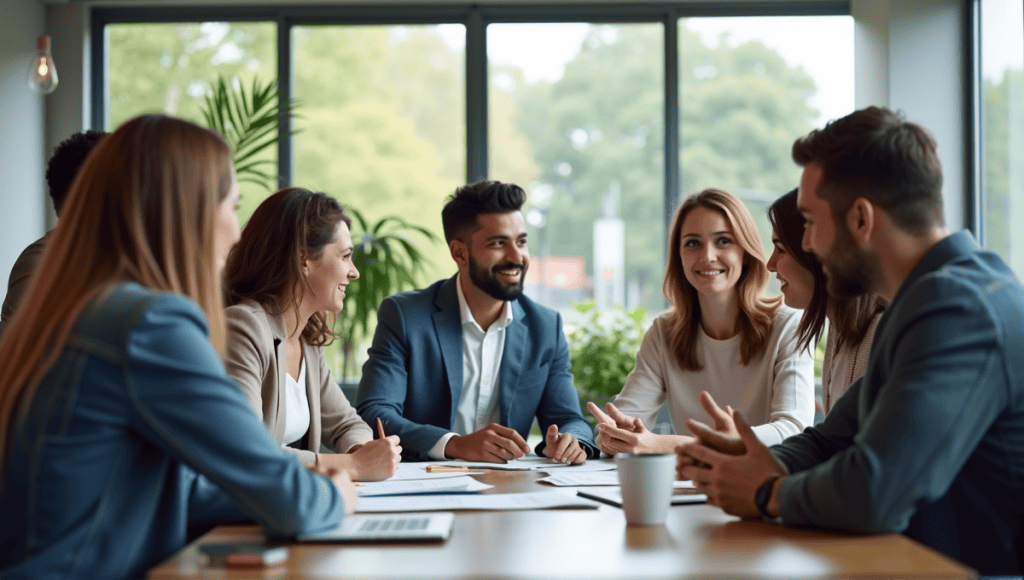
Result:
{"points": [[119, 428]]}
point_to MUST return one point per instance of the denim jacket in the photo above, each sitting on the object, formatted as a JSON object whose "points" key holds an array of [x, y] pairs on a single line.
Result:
{"points": [[135, 433]]}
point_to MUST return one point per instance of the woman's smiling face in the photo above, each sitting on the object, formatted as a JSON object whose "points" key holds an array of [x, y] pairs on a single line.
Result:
{"points": [[712, 260]]}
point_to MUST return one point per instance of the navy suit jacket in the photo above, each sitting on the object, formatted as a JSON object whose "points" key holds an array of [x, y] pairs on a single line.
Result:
{"points": [[413, 378]]}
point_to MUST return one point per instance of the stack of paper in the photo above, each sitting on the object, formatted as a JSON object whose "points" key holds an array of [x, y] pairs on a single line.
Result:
{"points": [[464, 484], [507, 501]]}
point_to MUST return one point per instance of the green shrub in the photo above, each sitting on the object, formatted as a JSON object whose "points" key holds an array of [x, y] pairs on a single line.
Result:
{"points": [[603, 349]]}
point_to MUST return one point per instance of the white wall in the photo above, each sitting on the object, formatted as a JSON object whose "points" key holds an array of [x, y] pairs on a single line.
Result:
{"points": [[23, 199], [909, 55], [68, 106]]}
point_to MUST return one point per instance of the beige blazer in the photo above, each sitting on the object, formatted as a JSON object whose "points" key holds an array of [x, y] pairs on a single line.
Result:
{"points": [[256, 359]]}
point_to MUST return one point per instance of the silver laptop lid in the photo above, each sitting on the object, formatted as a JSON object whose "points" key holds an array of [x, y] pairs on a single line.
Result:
{"points": [[435, 526]]}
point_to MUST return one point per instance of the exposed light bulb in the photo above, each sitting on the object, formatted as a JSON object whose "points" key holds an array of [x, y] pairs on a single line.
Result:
{"points": [[42, 75]]}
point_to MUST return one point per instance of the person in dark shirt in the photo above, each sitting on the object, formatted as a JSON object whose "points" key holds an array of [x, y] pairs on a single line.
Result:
{"points": [[67, 158]]}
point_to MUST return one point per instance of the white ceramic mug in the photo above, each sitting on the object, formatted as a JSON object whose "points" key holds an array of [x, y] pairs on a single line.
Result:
{"points": [[646, 483]]}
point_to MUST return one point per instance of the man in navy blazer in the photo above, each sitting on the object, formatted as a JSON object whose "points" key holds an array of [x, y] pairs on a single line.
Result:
{"points": [[459, 370]]}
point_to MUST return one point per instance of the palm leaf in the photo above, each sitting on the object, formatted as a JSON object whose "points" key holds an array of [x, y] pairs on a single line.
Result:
{"points": [[249, 118]]}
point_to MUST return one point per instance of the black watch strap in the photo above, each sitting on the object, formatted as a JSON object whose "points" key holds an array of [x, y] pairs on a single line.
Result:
{"points": [[764, 495]]}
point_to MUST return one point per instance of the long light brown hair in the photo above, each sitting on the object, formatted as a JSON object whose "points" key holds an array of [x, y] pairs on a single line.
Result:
{"points": [[266, 263], [757, 311], [141, 209]]}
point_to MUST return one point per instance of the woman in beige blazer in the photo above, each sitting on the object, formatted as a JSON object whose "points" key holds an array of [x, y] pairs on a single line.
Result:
{"points": [[286, 280]]}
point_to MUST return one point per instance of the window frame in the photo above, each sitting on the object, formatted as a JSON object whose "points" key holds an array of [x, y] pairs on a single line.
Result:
{"points": [[475, 18]]}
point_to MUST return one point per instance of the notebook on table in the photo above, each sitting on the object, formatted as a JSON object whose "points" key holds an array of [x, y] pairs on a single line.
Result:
{"points": [[433, 526]]}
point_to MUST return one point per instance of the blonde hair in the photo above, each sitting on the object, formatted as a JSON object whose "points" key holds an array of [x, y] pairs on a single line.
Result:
{"points": [[757, 311], [141, 209]]}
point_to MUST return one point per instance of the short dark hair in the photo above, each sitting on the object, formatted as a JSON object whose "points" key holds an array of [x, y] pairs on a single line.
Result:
{"points": [[458, 217], [876, 154], [67, 158]]}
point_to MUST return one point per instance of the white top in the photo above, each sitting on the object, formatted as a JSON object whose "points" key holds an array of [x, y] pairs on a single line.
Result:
{"points": [[481, 362], [296, 406], [774, 393]]}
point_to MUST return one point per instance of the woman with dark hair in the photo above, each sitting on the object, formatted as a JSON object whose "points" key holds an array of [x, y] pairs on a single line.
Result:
{"points": [[723, 335], [852, 321], [119, 430], [286, 282]]}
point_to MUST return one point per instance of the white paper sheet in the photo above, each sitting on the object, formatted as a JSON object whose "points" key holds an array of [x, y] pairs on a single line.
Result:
{"points": [[568, 479], [418, 470], [462, 483], [534, 463], [505, 501]]}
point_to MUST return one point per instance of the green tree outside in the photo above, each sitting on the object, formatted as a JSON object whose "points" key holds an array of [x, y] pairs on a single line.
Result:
{"points": [[381, 115]]}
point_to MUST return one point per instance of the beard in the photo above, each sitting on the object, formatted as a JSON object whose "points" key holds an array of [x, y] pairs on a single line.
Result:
{"points": [[851, 272], [487, 279]]}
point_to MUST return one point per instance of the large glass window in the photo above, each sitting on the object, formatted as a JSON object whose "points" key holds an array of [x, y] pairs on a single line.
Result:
{"points": [[171, 67], [1002, 128], [381, 116], [749, 86], [381, 127], [576, 118], [575, 115]]}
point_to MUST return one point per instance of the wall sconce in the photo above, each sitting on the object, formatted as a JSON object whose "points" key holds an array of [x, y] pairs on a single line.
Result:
{"points": [[42, 76]]}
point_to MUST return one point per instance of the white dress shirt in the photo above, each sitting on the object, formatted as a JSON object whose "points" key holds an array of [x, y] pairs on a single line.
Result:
{"points": [[481, 362], [296, 406]]}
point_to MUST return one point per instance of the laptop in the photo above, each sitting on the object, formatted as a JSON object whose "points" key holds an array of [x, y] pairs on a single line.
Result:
{"points": [[433, 526]]}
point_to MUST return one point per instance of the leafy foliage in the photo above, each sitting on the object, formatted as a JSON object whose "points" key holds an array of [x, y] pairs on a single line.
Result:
{"points": [[389, 261], [598, 134], [249, 121], [384, 128], [603, 348]]}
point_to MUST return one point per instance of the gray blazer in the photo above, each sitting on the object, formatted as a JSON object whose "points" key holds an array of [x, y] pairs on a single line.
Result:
{"points": [[256, 359]]}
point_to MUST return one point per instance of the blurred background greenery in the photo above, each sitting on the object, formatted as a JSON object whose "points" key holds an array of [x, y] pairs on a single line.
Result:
{"points": [[381, 118]]}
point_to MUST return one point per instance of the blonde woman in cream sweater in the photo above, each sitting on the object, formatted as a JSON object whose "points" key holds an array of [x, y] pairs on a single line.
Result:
{"points": [[723, 336]]}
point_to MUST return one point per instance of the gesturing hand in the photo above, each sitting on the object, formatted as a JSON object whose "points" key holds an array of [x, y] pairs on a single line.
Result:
{"points": [[494, 443], [724, 437], [563, 447], [618, 433], [729, 481]]}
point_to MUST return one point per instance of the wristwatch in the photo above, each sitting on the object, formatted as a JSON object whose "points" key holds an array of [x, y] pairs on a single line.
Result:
{"points": [[764, 495]]}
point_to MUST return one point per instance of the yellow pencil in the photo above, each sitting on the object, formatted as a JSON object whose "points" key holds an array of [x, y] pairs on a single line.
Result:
{"points": [[454, 469]]}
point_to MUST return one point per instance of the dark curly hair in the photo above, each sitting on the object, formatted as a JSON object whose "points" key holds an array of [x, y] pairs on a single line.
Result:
{"points": [[67, 158]]}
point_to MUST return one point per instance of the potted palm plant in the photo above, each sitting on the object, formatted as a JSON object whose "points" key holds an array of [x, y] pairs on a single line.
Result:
{"points": [[389, 260], [249, 120]]}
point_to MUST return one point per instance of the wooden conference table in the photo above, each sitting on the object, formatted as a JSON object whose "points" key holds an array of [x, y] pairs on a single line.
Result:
{"points": [[698, 541]]}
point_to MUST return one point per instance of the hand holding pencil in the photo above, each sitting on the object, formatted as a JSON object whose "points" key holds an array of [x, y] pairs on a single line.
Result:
{"points": [[378, 459]]}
